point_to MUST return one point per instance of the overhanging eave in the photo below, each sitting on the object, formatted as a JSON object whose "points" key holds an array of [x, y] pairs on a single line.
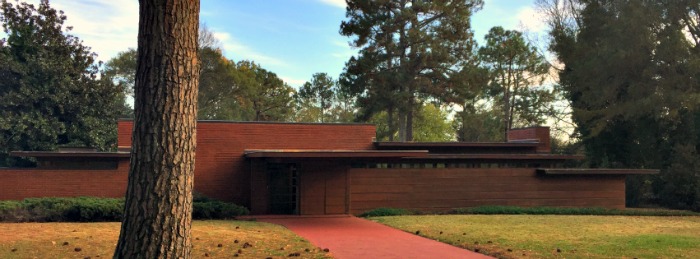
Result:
{"points": [[334, 154], [595, 171]]}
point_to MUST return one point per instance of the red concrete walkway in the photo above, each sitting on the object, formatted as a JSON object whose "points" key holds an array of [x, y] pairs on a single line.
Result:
{"points": [[351, 237]]}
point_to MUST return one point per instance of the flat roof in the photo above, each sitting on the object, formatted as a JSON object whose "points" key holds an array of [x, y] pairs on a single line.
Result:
{"points": [[602, 171], [503, 157], [403, 154], [301, 153], [390, 144], [276, 122], [66, 154]]}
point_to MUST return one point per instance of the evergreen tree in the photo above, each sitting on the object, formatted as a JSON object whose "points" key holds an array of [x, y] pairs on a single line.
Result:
{"points": [[410, 51], [158, 206], [218, 86], [121, 70], [49, 91], [263, 96], [478, 124], [631, 75], [431, 125], [517, 72], [241, 91], [317, 95]]}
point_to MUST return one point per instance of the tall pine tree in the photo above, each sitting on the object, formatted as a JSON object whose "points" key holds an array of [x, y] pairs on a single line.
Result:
{"points": [[158, 206], [517, 71], [410, 50]]}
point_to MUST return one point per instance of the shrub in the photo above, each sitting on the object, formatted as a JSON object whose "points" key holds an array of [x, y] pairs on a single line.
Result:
{"points": [[47, 209], [379, 212], [93, 209], [208, 208], [80, 209], [198, 197], [10, 211], [217, 210]]}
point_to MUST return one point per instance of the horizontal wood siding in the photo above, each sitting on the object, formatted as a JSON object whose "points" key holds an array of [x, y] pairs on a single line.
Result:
{"points": [[444, 189], [313, 190], [323, 188]]}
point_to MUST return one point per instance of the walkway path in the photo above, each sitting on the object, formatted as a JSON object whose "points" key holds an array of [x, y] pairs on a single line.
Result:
{"points": [[354, 238]]}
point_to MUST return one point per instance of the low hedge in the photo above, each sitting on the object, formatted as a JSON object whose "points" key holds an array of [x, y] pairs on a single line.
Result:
{"points": [[380, 212], [492, 210], [513, 210], [217, 210], [92, 209]]}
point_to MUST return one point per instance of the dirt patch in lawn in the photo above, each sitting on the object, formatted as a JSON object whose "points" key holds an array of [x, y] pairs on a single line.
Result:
{"points": [[211, 239]]}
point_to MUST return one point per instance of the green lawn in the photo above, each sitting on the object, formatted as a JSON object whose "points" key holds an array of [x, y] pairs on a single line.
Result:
{"points": [[211, 239], [549, 236]]}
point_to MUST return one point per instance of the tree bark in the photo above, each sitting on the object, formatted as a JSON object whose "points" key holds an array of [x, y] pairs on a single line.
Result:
{"points": [[506, 104], [402, 125], [390, 122], [158, 209], [409, 120]]}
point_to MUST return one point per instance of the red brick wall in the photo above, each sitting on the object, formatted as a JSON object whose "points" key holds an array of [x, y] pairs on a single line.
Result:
{"points": [[220, 169], [17, 184], [540, 134], [444, 189], [124, 130]]}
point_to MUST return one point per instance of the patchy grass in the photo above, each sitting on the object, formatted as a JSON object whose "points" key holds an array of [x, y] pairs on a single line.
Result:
{"points": [[98, 240], [556, 236]]}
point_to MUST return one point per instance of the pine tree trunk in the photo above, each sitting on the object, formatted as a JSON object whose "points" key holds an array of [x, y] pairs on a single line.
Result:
{"points": [[506, 112], [390, 122], [402, 125], [158, 209], [409, 119]]}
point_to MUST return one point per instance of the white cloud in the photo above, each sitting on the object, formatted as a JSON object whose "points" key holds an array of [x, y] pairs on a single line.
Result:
{"points": [[242, 51], [336, 3], [343, 51], [296, 83], [108, 27], [531, 20], [342, 44]]}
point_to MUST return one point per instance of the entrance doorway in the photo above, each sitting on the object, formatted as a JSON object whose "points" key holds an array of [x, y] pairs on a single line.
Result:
{"points": [[284, 188]]}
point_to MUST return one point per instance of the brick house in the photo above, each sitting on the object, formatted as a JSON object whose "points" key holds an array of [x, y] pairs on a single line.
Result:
{"points": [[311, 169]]}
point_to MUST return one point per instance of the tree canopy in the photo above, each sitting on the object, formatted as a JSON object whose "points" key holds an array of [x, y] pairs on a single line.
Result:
{"points": [[316, 96], [50, 94], [631, 76], [410, 51], [517, 72], [264, 96], [431, 125], [242, 91]]}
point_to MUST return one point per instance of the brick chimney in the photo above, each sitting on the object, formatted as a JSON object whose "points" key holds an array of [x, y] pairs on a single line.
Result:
{"points": [[538, 134]]}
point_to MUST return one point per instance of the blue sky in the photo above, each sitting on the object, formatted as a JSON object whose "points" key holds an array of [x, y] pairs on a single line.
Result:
{"points": [[293, 38]]}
